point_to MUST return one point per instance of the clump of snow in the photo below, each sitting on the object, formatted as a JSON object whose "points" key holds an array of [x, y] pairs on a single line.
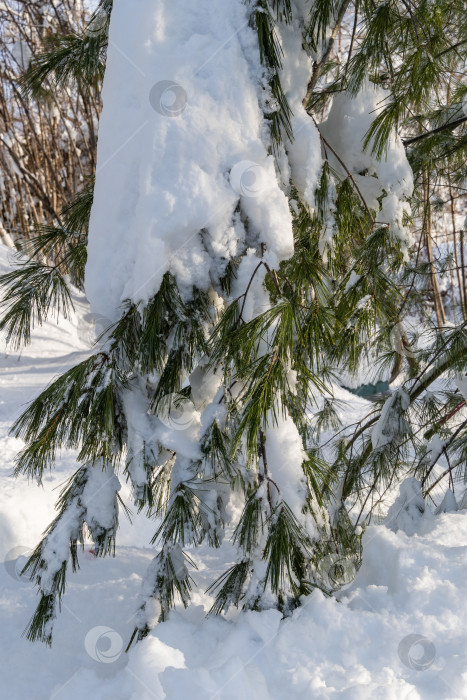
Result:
{"points": [[99, 498], [100, 514], [141, 443], [56, 548], [408, 509], [448, 504], [285, 455], [353, 280], [393, 210], [434, 450], [345, 128], [304, 151], [204, 383], [391, 423], [174, 126]]}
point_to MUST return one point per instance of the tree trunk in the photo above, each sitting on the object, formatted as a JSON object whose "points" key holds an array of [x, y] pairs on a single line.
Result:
{"points": [[459, 269], [439, 308]]}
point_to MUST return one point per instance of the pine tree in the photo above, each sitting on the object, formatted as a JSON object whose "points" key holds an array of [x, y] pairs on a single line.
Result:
{"points": [[407, 50], [240, 359]]}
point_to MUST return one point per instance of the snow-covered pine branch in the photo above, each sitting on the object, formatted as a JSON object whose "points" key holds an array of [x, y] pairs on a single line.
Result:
{"points": [[239, 250]]}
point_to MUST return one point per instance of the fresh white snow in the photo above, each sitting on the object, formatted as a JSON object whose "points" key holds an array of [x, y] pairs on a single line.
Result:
{"points": [[185, 182], [398, 631], [384, 183], [181, 143]]}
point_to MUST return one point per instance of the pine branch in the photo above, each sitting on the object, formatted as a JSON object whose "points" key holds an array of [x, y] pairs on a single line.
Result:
{"points": [[450, 125], [322, 15]]}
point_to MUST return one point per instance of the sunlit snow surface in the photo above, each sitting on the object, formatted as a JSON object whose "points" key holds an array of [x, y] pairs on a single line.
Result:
{"points": [[399, 631]]}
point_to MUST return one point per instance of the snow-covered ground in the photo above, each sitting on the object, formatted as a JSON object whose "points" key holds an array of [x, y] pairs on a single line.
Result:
{"points": [[399, 631]]}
